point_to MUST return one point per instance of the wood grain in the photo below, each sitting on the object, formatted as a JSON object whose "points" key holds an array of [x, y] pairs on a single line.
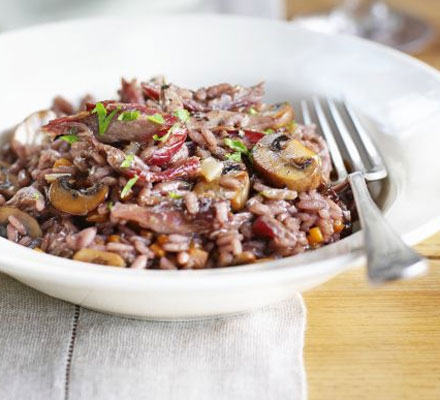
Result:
{"points": [[376, 343]]}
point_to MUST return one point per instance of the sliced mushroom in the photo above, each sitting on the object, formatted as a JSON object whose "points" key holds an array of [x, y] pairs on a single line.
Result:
{"points": [[218, 189], [8, 181], [30, 223], [94, 216], [286, 162], [28, 134], [99, 257], [66, 198], [282, 114]]}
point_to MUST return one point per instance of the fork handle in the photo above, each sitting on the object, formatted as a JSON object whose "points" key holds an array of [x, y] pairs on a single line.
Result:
{"points": [[388, 257]]}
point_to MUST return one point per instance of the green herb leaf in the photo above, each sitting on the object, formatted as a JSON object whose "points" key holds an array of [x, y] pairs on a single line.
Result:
{"points": [[156, 118], [183, 115], [234, 156], [175, 196], [103, 119], [269, 131], [36, 196], [101, 112], [129, 158], [253, 111], [108, 120], [165, 137], [236, 145], [69, 138], [162, 138], [110, 205], [128, 116], [128, 186]]}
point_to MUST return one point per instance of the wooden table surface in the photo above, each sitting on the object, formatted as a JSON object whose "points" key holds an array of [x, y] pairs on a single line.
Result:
{"points": [[377, 343]]}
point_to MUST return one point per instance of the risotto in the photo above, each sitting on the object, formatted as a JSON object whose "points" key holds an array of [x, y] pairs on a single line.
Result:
{"points": [[169, 178]]}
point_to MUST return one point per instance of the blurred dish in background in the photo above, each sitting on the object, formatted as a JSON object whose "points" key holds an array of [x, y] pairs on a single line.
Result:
{"points": [[19, 13], [274, 9], [374, 20], [370, 19]]}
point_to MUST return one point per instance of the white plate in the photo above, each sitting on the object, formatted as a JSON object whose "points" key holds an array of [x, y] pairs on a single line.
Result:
{"points": [[398, 97]]}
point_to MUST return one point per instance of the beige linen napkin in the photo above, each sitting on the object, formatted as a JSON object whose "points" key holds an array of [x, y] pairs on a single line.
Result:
{"points": [[50, 349]]}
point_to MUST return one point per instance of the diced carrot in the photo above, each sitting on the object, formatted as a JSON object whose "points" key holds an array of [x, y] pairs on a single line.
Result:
{"points": [[315, 236], [162, 239], [157, 250], [114, 239]]}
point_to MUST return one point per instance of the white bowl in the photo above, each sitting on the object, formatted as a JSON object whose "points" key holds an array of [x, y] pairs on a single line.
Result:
{"points": [[397, 97]]}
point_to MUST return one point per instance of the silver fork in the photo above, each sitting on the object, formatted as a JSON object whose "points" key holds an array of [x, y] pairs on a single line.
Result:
{"points": [[388, 257]]}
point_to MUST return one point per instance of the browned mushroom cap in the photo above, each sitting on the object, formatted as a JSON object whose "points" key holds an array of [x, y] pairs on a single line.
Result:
{"points": [[99, 257], [73, 201], [30, 223], [286, 162], [236, 190]]}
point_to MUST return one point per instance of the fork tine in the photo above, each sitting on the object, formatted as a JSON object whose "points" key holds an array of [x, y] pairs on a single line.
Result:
{"points": [[335, 154], [307, 119], [353, 153], [378, 167]]}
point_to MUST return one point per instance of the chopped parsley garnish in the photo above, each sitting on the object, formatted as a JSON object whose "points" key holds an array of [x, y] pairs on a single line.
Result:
{"points": [[182, 114], [174, 196], [236, 145], [156, 118], [128, 186], [36, 196], [239, 148], [103, 119], [69, 138], [162, 138], [165, 137], [129, 158], [269, 131], [128, 116], [110, 205], [253, 111], [234, 156]]}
